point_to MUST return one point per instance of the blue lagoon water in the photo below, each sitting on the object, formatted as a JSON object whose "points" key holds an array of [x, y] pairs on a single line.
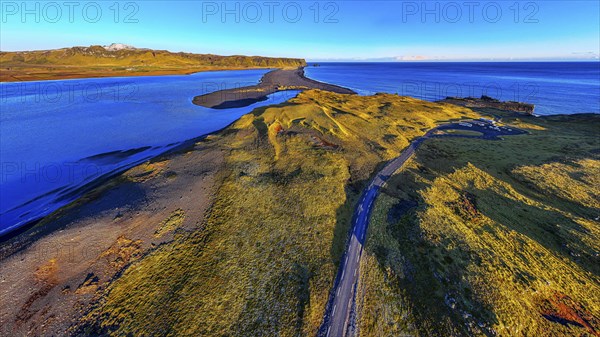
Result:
{"points": [[57, 136], [554, 87]]}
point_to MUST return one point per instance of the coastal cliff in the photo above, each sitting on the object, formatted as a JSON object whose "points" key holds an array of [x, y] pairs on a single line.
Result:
{"points": [[489, 102], [123, 60]]}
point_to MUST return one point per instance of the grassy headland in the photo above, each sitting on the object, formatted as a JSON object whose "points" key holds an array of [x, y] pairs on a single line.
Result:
{"points": [[97, 61], [490, 238], [473, 237], [265, 259]]}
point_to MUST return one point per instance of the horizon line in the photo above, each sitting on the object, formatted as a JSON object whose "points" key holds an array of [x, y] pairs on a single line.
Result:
{"points": [[454, 61], [385, 59]]}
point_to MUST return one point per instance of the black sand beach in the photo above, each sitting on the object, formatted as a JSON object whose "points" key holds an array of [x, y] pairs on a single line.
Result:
{"points": [[271, 82]]}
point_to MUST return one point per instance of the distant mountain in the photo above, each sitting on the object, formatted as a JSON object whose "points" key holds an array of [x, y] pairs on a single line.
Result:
{"points": [[119, 46], [120, 59]]}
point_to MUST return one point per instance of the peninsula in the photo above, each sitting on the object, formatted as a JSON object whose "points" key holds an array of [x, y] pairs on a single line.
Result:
{"points": [[267, 204], [271, 82], [323, 215]]}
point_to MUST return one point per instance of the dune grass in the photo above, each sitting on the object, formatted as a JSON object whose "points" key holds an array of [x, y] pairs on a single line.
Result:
{"points": [[171, 223], [265, 259], [503, 240]]}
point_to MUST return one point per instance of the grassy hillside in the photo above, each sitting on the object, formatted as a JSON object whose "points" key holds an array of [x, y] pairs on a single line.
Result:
{"points": [[96, 61], [264, 261], [489, 238]]}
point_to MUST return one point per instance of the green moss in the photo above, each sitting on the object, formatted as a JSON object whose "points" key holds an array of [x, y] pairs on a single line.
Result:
{"points": [[171, 223], [501, 227], [265, 259]]}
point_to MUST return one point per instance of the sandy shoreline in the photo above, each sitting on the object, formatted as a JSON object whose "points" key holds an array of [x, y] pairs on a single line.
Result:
{"points": [[271, 82], [97, 186], [52, 269], [60, 264], [55, 274]]}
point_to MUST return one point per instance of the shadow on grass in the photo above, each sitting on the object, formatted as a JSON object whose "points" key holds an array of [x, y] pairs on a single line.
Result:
{"points": [[551, 229], [341, 232], [429, 276]]}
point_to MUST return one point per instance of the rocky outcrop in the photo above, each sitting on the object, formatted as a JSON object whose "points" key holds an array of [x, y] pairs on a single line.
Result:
{"points": [[489, 102]]}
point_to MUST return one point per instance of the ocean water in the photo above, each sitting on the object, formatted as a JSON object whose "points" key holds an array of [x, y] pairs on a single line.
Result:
{"points": [[58, 136], [554, 87]]}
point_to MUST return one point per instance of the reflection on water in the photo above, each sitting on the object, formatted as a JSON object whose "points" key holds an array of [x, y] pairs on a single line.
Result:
{"points": [[56, 137]]}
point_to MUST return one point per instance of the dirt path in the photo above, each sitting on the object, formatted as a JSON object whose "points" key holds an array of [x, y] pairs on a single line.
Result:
{"points": [[338, 320]]}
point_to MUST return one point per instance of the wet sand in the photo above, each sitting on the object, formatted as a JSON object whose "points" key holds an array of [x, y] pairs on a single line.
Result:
{"points": [[51, 273], [271, 82]]}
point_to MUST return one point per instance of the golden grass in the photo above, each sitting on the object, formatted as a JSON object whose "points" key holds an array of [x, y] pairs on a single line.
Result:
{"points": [[145, 171], [501, 229], [264, 261], [171, 223], [95, 61], [570, 181]]}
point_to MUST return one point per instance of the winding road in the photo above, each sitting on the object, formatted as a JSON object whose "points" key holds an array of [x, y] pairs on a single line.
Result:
{"points": [[338, 320]]}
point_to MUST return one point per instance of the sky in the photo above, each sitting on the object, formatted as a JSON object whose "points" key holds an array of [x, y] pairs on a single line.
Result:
{"points": [[316, 30]]}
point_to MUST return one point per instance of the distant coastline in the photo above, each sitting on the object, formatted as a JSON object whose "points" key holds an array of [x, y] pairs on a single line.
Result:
{"points": [[119, 60]]}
